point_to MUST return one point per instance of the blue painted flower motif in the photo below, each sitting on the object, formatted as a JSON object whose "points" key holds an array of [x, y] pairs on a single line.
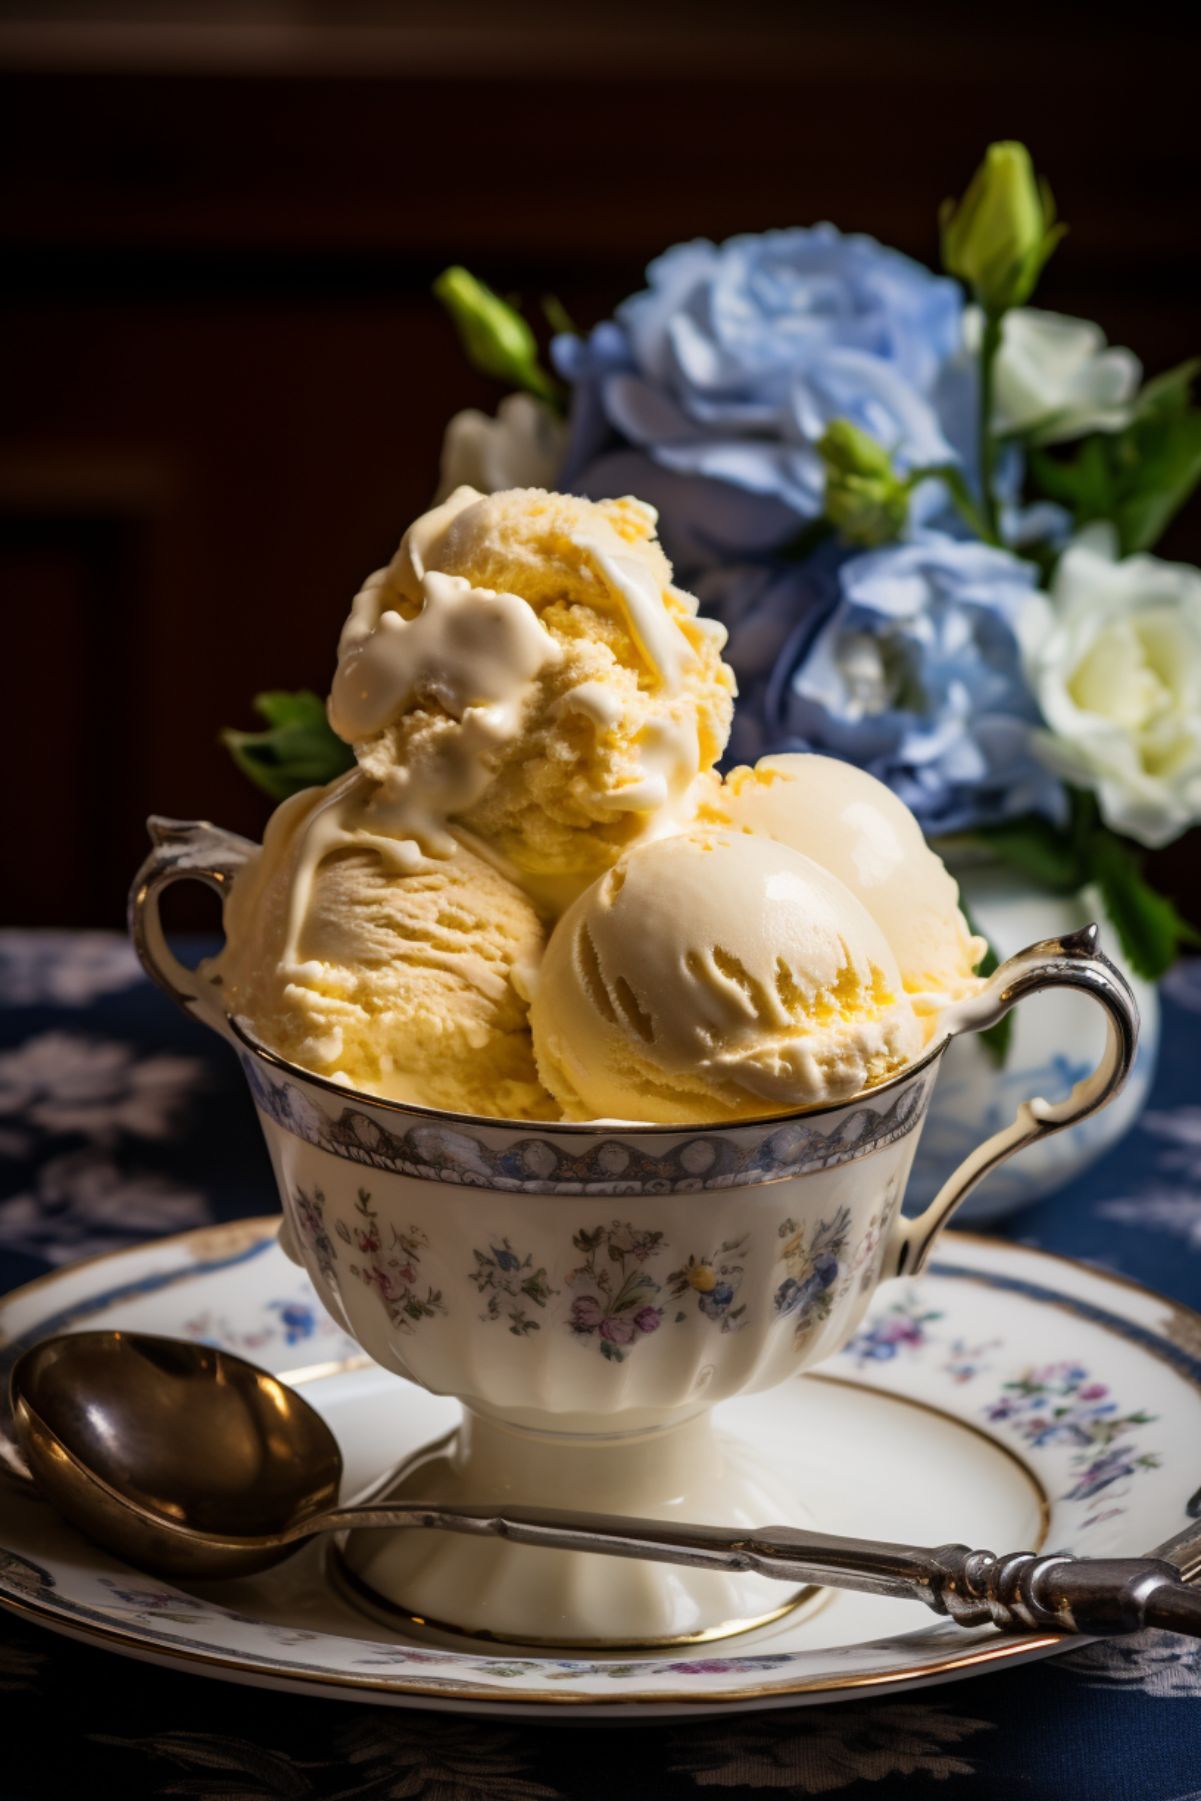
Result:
{"points": [[298, 1319], [506, 1281], [814, 1263], [708, 393], [1112, 1466], [916, 676], [902, 1327], [715, 1280]]}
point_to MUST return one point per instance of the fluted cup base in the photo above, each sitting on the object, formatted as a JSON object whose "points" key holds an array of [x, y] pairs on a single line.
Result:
{"points": [[518, 1594]]}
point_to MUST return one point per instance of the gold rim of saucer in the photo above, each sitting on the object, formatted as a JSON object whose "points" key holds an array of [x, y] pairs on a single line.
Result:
{"points": [[366, 1600]]}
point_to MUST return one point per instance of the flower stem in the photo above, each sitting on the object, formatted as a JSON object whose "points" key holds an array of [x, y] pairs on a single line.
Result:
{"points": [[989, 347], [951, 475]]}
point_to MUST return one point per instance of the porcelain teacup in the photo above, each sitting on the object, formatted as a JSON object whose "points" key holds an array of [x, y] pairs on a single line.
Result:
{"points": [[589, 1292]]}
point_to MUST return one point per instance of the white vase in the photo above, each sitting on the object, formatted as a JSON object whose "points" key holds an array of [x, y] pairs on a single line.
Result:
{"points": [[1055, 1041]]}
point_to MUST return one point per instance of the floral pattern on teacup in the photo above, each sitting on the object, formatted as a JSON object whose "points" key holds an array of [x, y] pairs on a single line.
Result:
{"points": [[620, 1290], [504, 1276], [617, 1294], [715, 1281], [816, 1261], [393, 1270]]}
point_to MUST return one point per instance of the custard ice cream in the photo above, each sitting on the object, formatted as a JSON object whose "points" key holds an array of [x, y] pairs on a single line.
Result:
{"points": [[713, 976], [536, 712], [525, 673], [861, 832], [400, 977]]}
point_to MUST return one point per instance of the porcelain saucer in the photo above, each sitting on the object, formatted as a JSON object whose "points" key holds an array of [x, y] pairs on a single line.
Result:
{"points": [[1008, 1398]]}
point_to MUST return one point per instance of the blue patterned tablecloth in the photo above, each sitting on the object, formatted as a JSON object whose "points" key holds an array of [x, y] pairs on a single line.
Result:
{"points": [[120, 1120]]}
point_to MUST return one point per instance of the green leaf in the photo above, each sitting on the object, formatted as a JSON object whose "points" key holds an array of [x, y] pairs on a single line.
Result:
{"points": [[1149, 928], [1169, 393], [1038, 849], [1166, 456], [1139, 477], [298, 750]]}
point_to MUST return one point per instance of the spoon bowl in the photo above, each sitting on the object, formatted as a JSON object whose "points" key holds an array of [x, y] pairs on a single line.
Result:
{"points": [[145, 1443]]}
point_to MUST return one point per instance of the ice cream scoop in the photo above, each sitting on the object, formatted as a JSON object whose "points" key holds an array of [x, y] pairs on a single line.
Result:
{"points": [[366, 961], [526, 670], [862, 833], [714, 975]]}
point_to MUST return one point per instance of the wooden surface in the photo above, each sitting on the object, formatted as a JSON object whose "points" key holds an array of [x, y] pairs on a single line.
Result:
{"points": [[224, 380]]}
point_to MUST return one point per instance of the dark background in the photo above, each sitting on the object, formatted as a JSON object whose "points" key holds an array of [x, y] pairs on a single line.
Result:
{"points": [[223, 380]]}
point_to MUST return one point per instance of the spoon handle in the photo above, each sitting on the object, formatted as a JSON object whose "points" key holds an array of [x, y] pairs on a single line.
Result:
{"points": [[1023, 1591]]}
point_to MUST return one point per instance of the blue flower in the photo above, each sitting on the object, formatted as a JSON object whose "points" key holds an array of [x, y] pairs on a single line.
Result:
{"points": [[771, 611], [916, 676], [709, 392]]}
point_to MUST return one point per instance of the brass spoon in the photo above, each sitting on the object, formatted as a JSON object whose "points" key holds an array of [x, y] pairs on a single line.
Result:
{"points": [[189, 1461]]}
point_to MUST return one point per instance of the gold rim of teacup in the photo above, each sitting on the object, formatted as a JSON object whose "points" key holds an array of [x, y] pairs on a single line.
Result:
{"points": [[552, 1128]]}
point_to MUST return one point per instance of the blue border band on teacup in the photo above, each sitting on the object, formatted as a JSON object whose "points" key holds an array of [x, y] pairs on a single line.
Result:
{"points": [[519, 1158]]}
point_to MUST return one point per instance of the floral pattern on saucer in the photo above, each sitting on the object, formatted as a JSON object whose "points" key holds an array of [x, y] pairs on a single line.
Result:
{"points": [[43, 1569], [1046, 1405]]}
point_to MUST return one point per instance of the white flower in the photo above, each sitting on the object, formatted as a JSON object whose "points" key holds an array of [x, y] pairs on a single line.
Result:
{"points": [[1056, 377], [1115, 662], [521, 448]]}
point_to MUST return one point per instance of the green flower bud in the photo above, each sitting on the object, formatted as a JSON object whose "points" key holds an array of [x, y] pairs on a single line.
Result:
{"points": [[494, 335], [997, 238], [866, 500]]}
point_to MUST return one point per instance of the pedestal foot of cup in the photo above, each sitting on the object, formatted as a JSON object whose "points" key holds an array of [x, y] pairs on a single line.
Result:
{"points": [[516, 1594]]}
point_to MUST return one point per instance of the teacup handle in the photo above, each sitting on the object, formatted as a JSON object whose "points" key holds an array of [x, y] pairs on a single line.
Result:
{"points": [[1071, 962], [185, 850]]}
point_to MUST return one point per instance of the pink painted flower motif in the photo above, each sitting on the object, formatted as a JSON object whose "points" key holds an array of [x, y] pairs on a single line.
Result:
{"points": [[621, 1292], [393, 1273]]}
